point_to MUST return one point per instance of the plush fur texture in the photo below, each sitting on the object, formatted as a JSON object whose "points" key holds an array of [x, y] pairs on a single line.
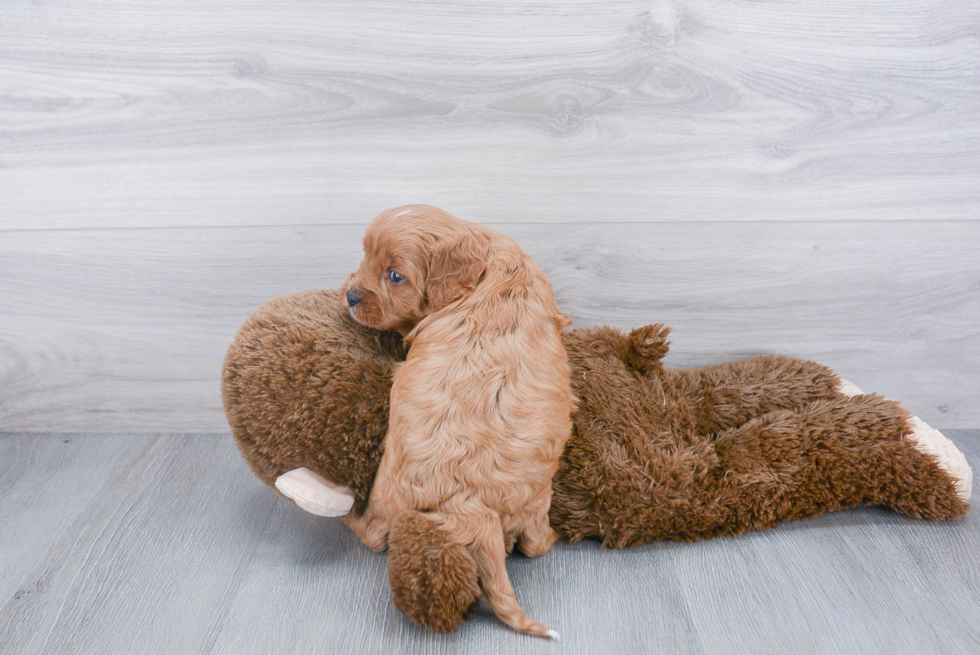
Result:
{"points": [[723, 449], [304, 385], [653, 454], [480, 410], [433, 576]]}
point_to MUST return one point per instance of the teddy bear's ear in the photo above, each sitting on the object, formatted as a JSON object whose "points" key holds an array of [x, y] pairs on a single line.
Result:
{"points": [[433, 579], [647, 347]]}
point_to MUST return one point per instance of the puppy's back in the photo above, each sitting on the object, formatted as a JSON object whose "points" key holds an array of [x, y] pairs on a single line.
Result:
{"points": [[481, 412]]}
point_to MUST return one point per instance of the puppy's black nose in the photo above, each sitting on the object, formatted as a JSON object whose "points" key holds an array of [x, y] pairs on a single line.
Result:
{"points": [[352, 299]]}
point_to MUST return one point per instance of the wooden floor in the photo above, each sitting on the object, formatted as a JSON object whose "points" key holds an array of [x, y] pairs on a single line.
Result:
{"points": [[167, 544]]}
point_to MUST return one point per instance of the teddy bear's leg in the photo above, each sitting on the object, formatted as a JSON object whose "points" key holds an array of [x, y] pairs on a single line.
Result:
{"points": [[849, 389], [932, 442], [790, 465], [314, 493], [727, 395]]}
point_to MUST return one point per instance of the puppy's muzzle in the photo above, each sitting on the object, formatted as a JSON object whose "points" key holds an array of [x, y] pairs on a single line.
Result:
{"points": [[352, 299]]}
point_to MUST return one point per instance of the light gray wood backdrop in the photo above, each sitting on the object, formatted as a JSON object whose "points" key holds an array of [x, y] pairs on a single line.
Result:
{"points": [[801, 177]]}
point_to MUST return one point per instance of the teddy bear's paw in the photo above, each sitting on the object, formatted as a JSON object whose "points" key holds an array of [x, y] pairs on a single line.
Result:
{"points": [[314, 493], [933, 442], [849, 388]]}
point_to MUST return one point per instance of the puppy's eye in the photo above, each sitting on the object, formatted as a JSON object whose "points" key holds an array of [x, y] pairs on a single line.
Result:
{"points": [[395, 277]]}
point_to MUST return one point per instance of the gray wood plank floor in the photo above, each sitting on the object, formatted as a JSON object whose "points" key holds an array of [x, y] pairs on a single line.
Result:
{"points": [[167, 544]]}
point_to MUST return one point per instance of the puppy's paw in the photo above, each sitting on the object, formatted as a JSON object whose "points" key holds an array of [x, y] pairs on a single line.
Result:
{"points": [[315, 494], [931, 441], [849, 388]]}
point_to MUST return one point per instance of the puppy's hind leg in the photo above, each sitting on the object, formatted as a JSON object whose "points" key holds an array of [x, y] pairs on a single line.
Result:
{"points": [[372, 528], [389, 498], [485, 537], [385, 503], [538, 537]]}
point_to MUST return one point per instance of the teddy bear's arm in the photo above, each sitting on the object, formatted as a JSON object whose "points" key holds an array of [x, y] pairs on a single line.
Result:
{"points": [[727, 395]]}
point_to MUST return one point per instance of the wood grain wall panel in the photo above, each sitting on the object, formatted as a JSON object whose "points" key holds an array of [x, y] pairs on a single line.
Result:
{"points": [[127, 113], [125, 330]]}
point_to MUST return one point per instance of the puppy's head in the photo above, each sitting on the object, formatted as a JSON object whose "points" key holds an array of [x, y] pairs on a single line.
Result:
{"points": [[417, 260]]}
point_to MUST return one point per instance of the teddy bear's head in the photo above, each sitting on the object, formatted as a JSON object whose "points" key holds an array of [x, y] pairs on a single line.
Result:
{"points": [[304, 385]]}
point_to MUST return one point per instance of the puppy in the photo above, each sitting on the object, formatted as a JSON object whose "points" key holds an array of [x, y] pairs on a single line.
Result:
{"points": [[480, 410]]}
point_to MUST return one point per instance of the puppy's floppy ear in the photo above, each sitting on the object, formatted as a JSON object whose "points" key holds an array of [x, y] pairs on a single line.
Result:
{"points": [[455, 269]]}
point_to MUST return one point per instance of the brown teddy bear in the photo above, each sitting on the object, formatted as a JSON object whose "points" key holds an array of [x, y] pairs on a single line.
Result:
{"points": [[654, 454]]}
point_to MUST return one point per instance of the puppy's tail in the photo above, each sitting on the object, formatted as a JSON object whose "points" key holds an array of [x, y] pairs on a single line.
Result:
{"points": [[486, 544]]}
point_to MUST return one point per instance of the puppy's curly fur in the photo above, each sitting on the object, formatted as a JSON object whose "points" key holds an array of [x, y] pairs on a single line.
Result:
{"points": [[480, 410]]}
